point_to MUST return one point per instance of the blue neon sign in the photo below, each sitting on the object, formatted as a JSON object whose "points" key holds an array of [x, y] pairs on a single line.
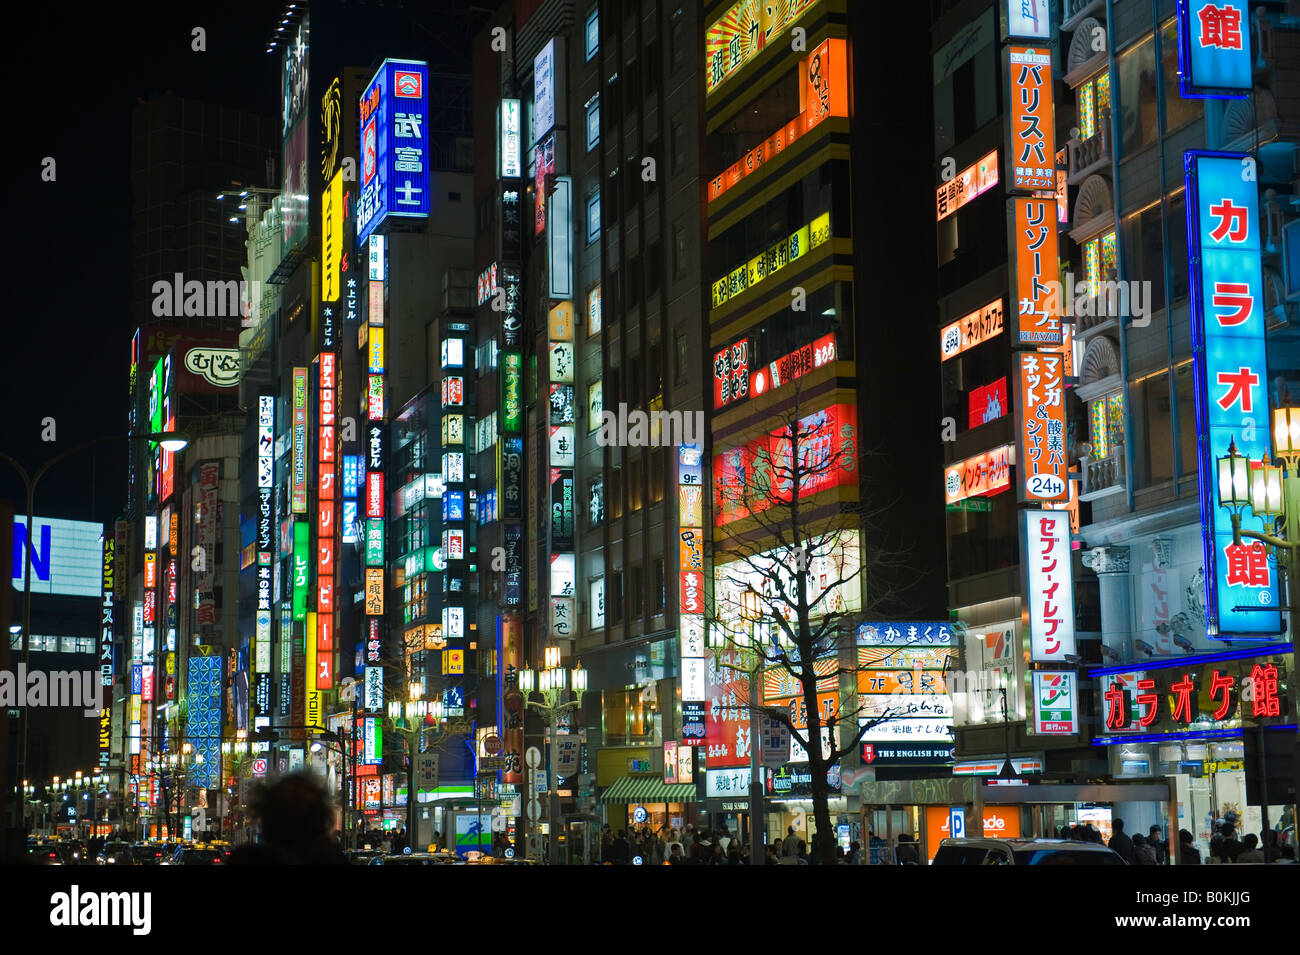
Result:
{"points": [[1214, 49], [395, 152], [1231, 372]]}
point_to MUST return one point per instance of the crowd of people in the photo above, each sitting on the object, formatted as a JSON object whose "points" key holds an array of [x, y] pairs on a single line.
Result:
{"points": [[1225, 846], [690, 846]]}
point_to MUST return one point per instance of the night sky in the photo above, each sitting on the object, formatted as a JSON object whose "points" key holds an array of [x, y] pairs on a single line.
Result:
{"points": [[74, 76]]}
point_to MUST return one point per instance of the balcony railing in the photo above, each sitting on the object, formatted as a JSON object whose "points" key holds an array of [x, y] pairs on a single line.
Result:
{"points": [[1101, 476], [1087, 156]]}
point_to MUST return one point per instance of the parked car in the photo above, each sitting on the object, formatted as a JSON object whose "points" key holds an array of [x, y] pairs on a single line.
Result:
{"points": [[43, 853], [1024, 852], [73, 852], [198, 855]]}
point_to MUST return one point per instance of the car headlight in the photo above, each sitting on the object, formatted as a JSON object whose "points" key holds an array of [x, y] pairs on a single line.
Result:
{"points": [[111, 860]]}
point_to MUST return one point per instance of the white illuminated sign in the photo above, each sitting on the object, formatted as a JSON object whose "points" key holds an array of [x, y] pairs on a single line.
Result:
{"points": [[544, 91], [1051, 584], [66, 556], [509, 142]]}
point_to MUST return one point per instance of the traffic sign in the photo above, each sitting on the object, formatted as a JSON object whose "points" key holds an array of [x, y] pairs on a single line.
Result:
{"points": [[259, 766], [534, 811], [957, 822], [492, 745]]}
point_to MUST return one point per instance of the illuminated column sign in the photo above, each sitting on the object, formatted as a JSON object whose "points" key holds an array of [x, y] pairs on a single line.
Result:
{"points": [[298, 503], [1041, 435], [265, 476], [326, 533], [106, 653], [395, 154], [1033, 124], [455, 510], [690, 528], [301, 569], [1231, 368], [1214, 49], [1045, 542], [560, 451], [508, 139]]}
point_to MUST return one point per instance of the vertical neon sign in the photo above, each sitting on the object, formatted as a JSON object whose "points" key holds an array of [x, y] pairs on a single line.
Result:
{"points": [[1231, 368]]}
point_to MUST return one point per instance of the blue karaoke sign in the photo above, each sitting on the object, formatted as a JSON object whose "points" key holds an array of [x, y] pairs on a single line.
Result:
{"points": [[1214, 49], [1231, 369], [395, 152]]}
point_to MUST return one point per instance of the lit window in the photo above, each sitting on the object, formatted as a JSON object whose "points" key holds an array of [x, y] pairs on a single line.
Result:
{"points": [[1106, 424], [593, 33]]}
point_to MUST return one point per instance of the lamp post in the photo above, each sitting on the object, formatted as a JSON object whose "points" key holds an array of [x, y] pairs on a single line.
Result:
{"points": [[236, 754], [415, 719], [1271, 492], [170, 440], [551, 683]]}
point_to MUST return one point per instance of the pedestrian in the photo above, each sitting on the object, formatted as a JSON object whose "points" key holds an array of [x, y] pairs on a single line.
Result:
{"points": [[297, 823], [1249, 849], [906, 852], [675, 856], [620, 852], [1156, 839], [801, 853], [855, 854], [876, 846], [791, 849], [771, 856], [1230, 847], [724, 838], [733, 855], [1121, 843], [776, 847], [815, 854], [1143, 854], [1188, 854]]}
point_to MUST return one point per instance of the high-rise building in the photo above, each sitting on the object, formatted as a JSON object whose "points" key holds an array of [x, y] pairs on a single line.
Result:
{"points": [[1088, 557]]}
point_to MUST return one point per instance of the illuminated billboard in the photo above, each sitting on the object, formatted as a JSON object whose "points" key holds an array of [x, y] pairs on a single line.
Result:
{"points": [[395, 148], [66, 556]]}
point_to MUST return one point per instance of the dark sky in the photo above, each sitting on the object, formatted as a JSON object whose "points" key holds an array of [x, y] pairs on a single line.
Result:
{"points": [[74, 74]]}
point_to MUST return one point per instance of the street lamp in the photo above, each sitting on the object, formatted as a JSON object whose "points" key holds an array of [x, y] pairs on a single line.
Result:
{"points": [[171, 441], [1271, 494], [551, 682], [415, 718]]}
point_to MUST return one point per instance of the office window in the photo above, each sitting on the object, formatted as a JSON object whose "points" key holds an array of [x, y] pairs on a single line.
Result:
{"points": [[593, 33], [635, 598], [1099, 259], [1093, 102], [677, 43], [1184, 386], [1137, 96], [635, 467], [654, 264], [677, 142], [679, 252], [657, 474], [658, 592], [614, 502], [1177, 110], [593, 217], [679, 355], [614, 597], [1153, 438], [1144, 250], [593, 122]]}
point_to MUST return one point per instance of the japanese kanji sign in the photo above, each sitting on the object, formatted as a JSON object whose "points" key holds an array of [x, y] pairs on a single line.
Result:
{"points": [[1032, 150], [977, 327], [1056, 710], [1050, 597], [1214, 49], [1038, 272], [742, 32], [727, 716], [1231, 367], [1040, 451], [1212, 696], [395, 154]]}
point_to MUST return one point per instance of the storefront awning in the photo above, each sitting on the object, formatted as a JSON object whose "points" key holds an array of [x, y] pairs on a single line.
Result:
{"points": [[651, 789]]}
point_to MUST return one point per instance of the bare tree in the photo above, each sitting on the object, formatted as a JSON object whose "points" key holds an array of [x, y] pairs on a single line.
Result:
{"points": [[790, 573]]}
